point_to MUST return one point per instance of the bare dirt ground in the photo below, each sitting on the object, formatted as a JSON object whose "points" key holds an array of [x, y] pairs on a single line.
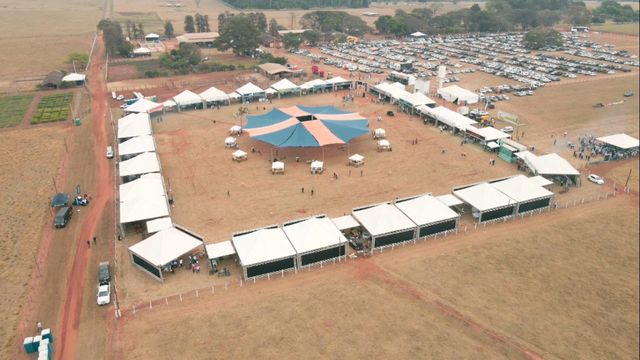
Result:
{"points": [[439, 299]]}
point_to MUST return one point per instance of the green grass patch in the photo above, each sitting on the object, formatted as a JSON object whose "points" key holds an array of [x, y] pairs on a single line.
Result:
{"points": [[628, 28], [149, 20], [13, 108], [52, 108]]}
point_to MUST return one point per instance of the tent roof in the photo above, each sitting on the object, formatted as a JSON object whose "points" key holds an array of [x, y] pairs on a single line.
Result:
{"points": [[143, 208], [234, 95], [214, 94], [313, 83], [382, 219], [169, 103], [220, 249], [313, 234], [356, 157], [148, 185], [156, 225], [521, 188], [540, 180], [391, 90], [132, 125], [142, 50], [418, 34], [277, 165], [152, 35], [549, 164], [449, 200], [426, 209], [73, 77], [622, 141], [457, 92], [338, 80], [345, 222], [140, 164], [137, 145], [187, 97], [271, 91], [165, 246], [143, 106], [249, 88], [273, 68], [239, 153], [483, 197], [284, 85], [447, 116], [262, 245], [488, 133], [417, 99]]}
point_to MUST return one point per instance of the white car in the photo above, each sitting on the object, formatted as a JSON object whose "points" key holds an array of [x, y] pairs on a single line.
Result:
{"points": [[507, 129], [595, 179], [109, 152], [104, 294]]}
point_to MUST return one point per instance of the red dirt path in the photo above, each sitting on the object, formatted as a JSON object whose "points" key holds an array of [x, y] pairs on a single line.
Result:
{"points": [[70, 317]]}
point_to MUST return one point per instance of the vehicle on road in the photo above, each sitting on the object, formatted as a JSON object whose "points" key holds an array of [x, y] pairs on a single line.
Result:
{"points": [[62, 217], [109, 152], [628, 93], [507, 129], [595, 179], [104, 294], [104, 275]]}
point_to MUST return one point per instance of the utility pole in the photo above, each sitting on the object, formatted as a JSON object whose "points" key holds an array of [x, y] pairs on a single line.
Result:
{"points": [[628, 177]]}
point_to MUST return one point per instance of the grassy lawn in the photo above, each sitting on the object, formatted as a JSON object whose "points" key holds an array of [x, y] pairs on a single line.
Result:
{"points": [[629, 28], [52, 108], [13, 108]]}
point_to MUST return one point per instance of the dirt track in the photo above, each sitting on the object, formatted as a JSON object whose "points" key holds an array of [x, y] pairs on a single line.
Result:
{"points": [[70, 317]]}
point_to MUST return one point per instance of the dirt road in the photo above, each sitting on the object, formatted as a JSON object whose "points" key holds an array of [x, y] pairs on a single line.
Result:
{"points": [[70, 317]]}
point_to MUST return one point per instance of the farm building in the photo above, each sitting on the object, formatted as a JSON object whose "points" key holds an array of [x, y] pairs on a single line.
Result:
{"points": [[386, 224], [213, 96], [272, 70], [136, 145], [133, 125], [430, 214], [458, 95], [528, 193], [315, 240], [143, 199], [201, 39], [285, 87], [440, 115], [155, 254], [264, 251], [141, 164], [551, 166], [487, 203]]}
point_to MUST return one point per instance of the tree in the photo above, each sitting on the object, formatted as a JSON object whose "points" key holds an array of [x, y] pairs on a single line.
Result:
{"points": [[239, 34], [334, 21], [382, 24], [198, 21], [189, 24], [273, 27], [168, 29], [612, 10], [141, 30], [312, 37], [182, 59], [205, 23], [292, 41], [539, 38], [114, 40], [79, 59], [578, 14]]}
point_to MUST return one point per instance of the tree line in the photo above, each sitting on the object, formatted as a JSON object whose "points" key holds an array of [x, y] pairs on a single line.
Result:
{"points": [[297, 4], [197, 23]]}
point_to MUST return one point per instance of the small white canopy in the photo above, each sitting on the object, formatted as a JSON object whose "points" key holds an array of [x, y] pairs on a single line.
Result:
{"points": [[239, 154], [187, 98], [425, 210], [541, 181], [622, 141], [338, 80], [317, 165], [447, 117], [550, 164], [143, 106], [356, 158], [455, 93], [488, 133], [416, 99], [382, 219], [134, 125], [152, 36], [521, 189], [137, 145], [156, 225], [261, 246], [277, 166], [313, 83], [449, 200], [285, 85], [73, 77], [484, 197], [221, 249], [234, 96], [380, 133], [384, 144], [142, 51], [271, 91], [493, 145], [214, 94], [313, 234], [141, 164], [169, 104], [230, 141], [418, 34], [249, 89], [345, 222], [165, 246], [235, 129]]}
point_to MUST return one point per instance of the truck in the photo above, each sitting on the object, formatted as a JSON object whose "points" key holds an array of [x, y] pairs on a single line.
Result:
{"points": [[104, 275]]}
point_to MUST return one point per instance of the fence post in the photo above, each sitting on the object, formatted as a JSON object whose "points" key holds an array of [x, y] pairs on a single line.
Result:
{"points": [[150, 305], [240, 282], [180, 296], [226, 286], [213, 290], [197, 293], [134, 309], [166, 300]]}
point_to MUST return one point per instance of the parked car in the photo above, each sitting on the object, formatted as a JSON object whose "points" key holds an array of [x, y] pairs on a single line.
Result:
{"points": [[507, 129], [109, 152], [628, 93], [62, 217], [104, 294], [595, 179], [104, 276]]}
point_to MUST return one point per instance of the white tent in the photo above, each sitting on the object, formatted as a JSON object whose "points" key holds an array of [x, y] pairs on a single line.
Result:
{"points": [[152, 36], [162, 248], [549, 164], [134, 125], [142, 51], [137, 145], [418, 34], [529, 195], [338, 81], [143, 106], [384, 144], [315, 240], [449, 200], [187, 98], [430, 214], [230, 142], [345, 222], [486, 134], [219, 250], [239, 155], [386, 224], [356, 160], [235, 130], [448, 117], [285, 86], [379, 133], [277, 167], [264, 251], [488, 203], [148, 185], [156, 225], [140, 164], [314, 84], [416, 99], [249, 89], [143, 208], [541, 181], [74, 77], [394, 91], [234, 96], [271, 91], [455, 93], [214, 94], [169, 104], [621, 141], [317, 167]]}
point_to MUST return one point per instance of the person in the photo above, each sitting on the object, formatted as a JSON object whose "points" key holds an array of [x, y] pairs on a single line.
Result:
{"points": [[94, 240], [88, 243], [311, 191], [180, 262], [302, 190], [39, 326]]}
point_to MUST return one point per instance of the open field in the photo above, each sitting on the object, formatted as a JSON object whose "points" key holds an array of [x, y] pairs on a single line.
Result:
{"points": [[13, 109], [548, 290], [631, 28], [52, 108], [28, 161]]}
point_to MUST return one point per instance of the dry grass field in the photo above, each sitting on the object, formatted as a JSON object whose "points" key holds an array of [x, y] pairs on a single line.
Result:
{"points": [[630, 28], [549, 290], [28, 161]]}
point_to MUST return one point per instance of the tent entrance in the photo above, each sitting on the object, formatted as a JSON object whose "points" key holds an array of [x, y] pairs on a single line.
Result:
{"points": [[304, 118]]}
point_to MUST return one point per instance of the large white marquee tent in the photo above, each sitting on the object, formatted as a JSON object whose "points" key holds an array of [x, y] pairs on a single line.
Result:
{"points": [[264, 251], [132, 125], [386, 224], [315, 240], [458, 95], [487, 202], [430, 214], [136, 145], [140, 164]]}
